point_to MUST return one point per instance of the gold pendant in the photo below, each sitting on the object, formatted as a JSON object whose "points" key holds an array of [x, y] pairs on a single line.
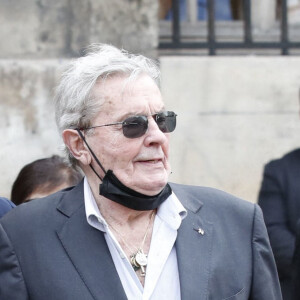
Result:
{"points": [[139, 261], [141, 258]]}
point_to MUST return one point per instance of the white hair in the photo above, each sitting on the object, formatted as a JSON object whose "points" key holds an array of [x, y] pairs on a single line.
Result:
{"points": [[75, 105]]}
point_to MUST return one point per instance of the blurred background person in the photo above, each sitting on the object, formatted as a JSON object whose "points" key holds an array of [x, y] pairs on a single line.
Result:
{"points": [[43, 177], [279, 198], [296, 265], [5, 206]]}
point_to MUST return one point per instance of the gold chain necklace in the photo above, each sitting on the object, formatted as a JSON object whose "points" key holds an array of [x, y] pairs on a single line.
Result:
{"points": [[138, 258]]}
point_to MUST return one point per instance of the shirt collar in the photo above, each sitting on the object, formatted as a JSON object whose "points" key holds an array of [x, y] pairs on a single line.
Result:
{"points": [[93, 215], [171, 211]]}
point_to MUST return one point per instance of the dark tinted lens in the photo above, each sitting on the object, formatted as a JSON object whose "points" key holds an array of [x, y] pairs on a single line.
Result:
{"points": [[166, 121], [135, 127]]}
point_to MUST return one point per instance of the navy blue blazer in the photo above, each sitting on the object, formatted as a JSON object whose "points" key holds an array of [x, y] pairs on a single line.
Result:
{"points": [[48, 250], [296, 266], [5, 206], [279, 198]]}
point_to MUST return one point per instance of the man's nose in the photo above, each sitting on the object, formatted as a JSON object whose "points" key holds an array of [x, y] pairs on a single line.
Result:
{"points": [[154, 134]]}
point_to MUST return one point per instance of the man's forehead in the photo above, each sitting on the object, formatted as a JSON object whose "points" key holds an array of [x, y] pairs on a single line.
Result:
{"points": [[124, 83], [117, 91], [120, 110]]}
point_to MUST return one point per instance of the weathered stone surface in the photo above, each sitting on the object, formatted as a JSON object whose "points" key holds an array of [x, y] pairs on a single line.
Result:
{"points": [[263, 14], [27, 123], [34, 28], [234, 115], [132, 24], [63, 28]]}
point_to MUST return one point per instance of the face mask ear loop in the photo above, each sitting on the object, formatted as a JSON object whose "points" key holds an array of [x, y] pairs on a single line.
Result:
{"points": [[95, 172], [93, 154]]}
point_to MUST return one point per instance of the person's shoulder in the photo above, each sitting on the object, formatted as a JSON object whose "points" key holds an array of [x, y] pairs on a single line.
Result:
{"points": [[5, 206], [288, 162], [35, 212], [210, 198], [290, 157], [4, 202], [39, 220]]}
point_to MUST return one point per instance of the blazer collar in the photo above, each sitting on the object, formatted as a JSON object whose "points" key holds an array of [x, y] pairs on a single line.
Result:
{"points": [[193, 246], [72, 199], [87, 249]]}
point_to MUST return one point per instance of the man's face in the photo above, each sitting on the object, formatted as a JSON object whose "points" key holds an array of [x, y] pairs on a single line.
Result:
{"points": [[139, 163]]}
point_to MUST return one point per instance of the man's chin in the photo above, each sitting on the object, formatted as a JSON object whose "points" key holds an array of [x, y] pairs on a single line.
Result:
{"points": [[151, 188]]}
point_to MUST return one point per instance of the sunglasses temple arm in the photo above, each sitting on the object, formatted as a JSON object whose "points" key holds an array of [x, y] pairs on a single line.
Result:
{"points": [[93, 154]]}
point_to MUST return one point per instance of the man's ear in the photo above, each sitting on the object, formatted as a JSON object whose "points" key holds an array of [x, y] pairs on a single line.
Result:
{"points": [[76, 146]]}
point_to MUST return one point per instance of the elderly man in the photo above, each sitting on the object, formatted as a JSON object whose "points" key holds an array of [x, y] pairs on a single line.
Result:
{"points": [[124, 232]]}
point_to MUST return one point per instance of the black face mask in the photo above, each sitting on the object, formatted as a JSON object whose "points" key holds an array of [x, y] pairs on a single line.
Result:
{"points": [[113, 189]]}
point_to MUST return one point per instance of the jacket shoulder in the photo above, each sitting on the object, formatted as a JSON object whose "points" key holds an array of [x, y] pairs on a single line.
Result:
{"points": [[287, 160], [32, 215], [193, 197], [5, 206]]}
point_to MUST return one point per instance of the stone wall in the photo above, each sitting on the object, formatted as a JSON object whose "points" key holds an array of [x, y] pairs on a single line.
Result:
{"points": [[63, 28], [234, 115], [27, 125], [36, 38]]}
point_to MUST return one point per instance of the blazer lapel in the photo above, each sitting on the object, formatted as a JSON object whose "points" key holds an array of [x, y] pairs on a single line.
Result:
{"points": [[87, 249], [194, 250]]}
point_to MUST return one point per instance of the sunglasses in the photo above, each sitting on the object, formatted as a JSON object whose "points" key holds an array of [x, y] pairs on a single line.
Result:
{"points": [[136, 126]]}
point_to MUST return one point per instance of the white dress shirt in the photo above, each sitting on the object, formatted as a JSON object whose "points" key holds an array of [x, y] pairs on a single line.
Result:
{"points": [[162, 277]]}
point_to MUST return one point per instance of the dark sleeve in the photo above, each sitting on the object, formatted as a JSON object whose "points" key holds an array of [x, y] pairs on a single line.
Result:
{"points": [[265, 284], [272, 200], [12, 285], [296, 266]]}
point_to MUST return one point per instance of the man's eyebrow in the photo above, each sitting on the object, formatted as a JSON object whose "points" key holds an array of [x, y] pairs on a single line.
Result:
{"points": [[128, 115]]}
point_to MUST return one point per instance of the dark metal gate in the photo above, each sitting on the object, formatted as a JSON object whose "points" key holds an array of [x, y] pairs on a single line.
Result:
{"points": [[284, 44]]}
